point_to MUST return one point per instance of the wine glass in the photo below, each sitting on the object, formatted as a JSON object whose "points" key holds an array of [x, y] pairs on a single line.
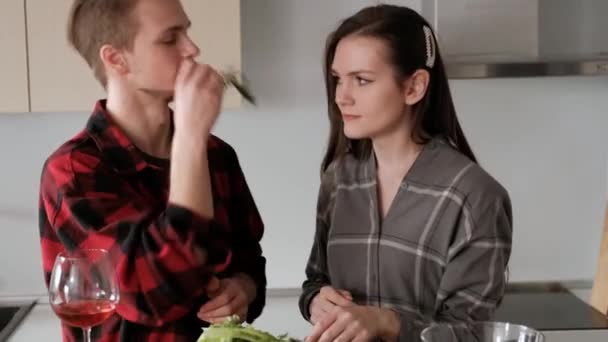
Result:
{"points": [[83, 290]]}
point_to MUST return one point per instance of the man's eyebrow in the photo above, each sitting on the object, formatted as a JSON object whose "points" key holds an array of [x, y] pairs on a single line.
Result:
{"points": [[179, 27]]}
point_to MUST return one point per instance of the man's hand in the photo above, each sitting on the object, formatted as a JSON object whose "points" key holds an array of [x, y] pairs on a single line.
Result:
{"points": [[229, 296], [326, 300], [198, 97]]}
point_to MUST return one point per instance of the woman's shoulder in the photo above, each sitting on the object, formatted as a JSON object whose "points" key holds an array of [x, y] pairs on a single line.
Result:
{"points": [[481, 187], [459, 173]]}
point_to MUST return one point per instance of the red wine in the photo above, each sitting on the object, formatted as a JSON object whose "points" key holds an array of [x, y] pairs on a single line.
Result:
{"points": [[84, 313]]}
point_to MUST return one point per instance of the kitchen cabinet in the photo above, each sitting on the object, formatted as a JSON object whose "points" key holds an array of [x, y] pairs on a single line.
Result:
{"points": [[13, 61]]}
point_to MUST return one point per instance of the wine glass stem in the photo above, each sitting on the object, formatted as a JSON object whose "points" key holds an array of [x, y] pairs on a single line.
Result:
{"points": [[87, 334]]}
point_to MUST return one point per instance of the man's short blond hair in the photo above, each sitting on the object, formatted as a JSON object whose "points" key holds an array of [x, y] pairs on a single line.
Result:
{"points": [[94, 23]]}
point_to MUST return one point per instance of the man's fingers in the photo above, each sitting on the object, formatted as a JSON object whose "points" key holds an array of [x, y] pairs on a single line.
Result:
{"points": [[214, 320], [213, 287], [235, 307], [220, 312], [217, 302], [185, 69], [219, 319]]}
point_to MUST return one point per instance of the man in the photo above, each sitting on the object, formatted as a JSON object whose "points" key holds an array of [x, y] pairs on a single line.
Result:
{"points": [[154, 187]]}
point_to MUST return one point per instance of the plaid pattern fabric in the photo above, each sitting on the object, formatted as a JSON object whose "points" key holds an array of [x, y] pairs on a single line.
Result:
{"points": [[99, 191], [440, 254]]}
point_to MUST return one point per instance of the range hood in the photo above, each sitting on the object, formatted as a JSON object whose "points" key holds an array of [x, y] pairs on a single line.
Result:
{"points": [[520, 38]]}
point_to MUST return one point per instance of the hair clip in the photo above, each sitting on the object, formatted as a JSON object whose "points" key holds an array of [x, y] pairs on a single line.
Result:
{"points": [[430, 47]]}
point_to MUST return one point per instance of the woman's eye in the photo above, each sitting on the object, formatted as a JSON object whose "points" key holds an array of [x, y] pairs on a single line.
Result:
{"points": [[362, 81]]}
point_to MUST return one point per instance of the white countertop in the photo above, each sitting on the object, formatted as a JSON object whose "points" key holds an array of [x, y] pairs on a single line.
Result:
{"points": [[280, 316], [41, 324]]}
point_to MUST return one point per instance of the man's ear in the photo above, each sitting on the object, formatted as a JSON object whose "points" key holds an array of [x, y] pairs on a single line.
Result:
{"points": [[415, 86], [113, 59]]}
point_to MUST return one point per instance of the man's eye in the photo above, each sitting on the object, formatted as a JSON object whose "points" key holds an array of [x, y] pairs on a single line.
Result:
{"points": [[170, 41]]}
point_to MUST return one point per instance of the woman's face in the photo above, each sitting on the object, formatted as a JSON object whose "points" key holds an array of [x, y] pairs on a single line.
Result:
{"points": [[371, 101]]}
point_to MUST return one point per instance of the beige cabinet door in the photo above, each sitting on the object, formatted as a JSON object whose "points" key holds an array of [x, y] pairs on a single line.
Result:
{"points": [[13, 57], [60, 80], [216, 29]]}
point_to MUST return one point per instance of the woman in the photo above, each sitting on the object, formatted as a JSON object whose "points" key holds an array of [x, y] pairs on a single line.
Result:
{"points": [[410, 229]]}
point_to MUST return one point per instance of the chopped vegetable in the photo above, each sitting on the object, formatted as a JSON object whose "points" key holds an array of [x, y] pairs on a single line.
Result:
{"points": [[231, 330]]}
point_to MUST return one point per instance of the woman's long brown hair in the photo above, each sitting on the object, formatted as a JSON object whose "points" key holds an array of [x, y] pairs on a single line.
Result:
{"points": [[401, 28]]}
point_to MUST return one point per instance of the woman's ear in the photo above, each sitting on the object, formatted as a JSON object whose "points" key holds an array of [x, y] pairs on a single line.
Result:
{"points": [[113, 60], [415, 86]]}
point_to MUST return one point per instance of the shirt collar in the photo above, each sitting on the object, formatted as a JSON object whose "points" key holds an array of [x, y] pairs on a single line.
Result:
{"points": [[114, 144]]}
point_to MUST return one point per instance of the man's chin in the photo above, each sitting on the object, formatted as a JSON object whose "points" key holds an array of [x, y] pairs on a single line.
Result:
{"points": [[165, 95]]}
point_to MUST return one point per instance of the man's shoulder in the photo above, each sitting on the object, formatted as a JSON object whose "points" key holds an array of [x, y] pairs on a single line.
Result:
{"points": [[78, 154], [220, 151], [218, 144]]}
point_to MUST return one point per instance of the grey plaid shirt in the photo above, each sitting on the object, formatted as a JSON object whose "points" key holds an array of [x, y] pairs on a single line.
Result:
{"points": [[440, 254]]}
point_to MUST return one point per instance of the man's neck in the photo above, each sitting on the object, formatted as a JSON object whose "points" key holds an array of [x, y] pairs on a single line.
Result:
{"points": [[144, 119]]}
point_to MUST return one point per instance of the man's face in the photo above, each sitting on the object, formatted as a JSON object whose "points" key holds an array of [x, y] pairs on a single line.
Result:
{"points": [[160, 44]]}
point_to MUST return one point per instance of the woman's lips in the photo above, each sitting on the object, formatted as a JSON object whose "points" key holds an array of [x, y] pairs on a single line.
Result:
{"points": [[350, 117]]}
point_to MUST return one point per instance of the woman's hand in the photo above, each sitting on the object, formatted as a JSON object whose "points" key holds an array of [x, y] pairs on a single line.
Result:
{"points": [[356, 323], [326, 300]]}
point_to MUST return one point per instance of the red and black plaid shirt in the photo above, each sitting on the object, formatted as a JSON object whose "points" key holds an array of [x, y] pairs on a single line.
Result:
{"points": [[99, 191]]}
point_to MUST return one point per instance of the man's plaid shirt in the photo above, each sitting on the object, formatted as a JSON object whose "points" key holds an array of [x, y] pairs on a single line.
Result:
{"points": [[99, 191]]}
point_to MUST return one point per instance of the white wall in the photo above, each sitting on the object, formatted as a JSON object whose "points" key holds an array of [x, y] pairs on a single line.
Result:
{"points": [[544, 139]]}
